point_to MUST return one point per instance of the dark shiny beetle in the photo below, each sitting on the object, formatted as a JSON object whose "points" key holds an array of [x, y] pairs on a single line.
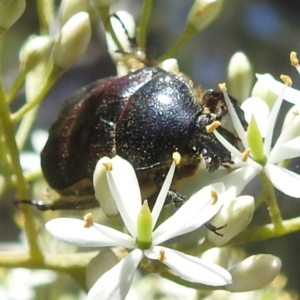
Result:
{"points": [[144, 117]]}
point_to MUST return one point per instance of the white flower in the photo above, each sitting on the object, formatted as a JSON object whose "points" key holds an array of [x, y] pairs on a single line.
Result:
{"points": [[115, 283], [286, 147]]}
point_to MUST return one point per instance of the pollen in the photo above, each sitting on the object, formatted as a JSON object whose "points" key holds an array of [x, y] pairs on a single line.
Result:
{"points": [[294, 59], [88, 220], [246, 154], [214, 125], [162, 256], [286, 79], [214, 197], [222, 87], [107, 164], [177, 157]]}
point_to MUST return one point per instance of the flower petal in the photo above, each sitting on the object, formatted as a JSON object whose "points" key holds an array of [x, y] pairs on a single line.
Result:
{"points": [[290, 94], [259, 109], [125, 189], [287, 150], [236, 181], [191, 268], [72, 231], [162, 195], [115, 284], [284, 180], [191, 215]]}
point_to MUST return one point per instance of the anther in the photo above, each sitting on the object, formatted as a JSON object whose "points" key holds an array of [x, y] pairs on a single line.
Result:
{"points": [[214, 125], [286, 79], [246, 154], [222, 87], [294, 59], [176, 157], [214, 196], [88, 220]]}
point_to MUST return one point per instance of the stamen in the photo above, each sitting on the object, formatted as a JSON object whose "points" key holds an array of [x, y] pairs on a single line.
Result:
{"points": [[246, 154], [286, 79], [88, 220], [294, 59], [214, 197], [161, 256], [214, 125], [177, 157], [107, 164], [222, 87], [296, 112]]}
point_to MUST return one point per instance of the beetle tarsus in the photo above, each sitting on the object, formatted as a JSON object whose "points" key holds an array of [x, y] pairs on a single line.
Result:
{"points": [[214, 229]]}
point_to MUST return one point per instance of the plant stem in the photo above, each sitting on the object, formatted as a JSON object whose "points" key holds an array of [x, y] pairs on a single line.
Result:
{"points": [[183, 38], [17, 85], [271, 202], [266, 232], [143, 25]]}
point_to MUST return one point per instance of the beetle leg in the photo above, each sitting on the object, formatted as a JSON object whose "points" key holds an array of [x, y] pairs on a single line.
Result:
{"points": [[175, 198], [214, 229]]}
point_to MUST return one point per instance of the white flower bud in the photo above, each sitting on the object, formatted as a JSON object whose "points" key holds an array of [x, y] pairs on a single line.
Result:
{"points": [[253, 273], [203, 12], [72, 41], [102, 190], [69, 8], [128, 21], [240, 76], [170, 65], [35, 50], [236, 215], [219, 256], [10, 12], [100, 264], [103, 3]]}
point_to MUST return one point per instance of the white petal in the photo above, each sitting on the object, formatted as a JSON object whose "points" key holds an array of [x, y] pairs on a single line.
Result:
{"points": [[115, 284], [125, 189], [287, 150], [271, 122], [284, 180], [236, 181], [236, 121], [191, 268], [162, 195], [29, 160], [72, 231], [259, 109], [191, 215], [290, 94]]}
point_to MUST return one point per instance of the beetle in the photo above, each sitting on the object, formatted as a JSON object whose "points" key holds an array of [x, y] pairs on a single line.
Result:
{"points": [[143, 117]]}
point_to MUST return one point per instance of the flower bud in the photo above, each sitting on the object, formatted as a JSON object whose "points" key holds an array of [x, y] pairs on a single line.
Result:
{"points": [[240, 76], [253, 273], [69, 8], [262, 91], [219, 256], [99, 265], [35, 50], [291, 123], [170, 65], [102, 190], [128, 21], [10, 12], [236, 215], [202, 13], [72, 41]]}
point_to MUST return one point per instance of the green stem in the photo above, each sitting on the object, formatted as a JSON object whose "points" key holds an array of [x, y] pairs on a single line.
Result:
{"points": [[271, 202], [142, 29], [9, 133], [105, 17], [17, 85], [44, 8], [15, 117], [183, 38], [266, 232]]}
